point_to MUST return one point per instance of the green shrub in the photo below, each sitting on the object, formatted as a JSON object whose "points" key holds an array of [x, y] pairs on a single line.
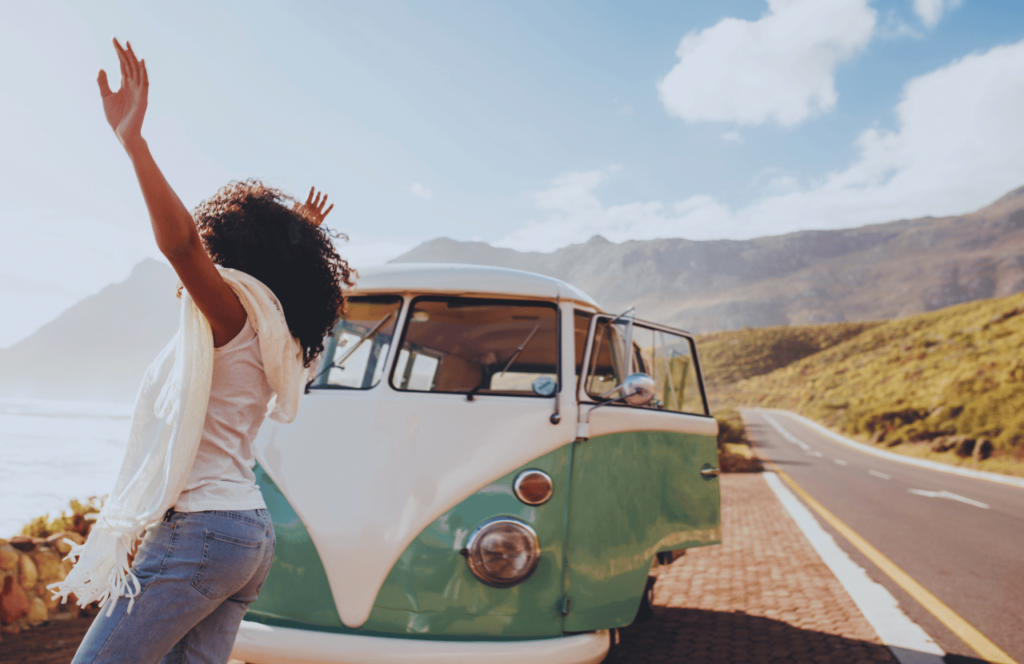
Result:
{"points": [[74, 521]]}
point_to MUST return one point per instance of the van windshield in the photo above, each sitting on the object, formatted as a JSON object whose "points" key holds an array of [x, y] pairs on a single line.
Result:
{"points": [[355, 355], [475, 346]]}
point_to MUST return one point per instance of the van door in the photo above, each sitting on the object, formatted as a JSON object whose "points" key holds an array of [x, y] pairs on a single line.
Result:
{"points": [[644, 478]]}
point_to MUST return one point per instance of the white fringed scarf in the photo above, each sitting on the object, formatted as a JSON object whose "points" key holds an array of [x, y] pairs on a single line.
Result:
{"points": [[167, 425]]}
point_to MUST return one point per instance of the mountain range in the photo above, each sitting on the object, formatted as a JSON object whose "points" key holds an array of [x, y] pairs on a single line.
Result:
{"points": [[879, 271], [100, 347]]}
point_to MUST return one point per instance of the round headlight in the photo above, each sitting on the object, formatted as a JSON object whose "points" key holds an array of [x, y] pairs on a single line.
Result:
{"points": [[533, 487], [502, 552]]}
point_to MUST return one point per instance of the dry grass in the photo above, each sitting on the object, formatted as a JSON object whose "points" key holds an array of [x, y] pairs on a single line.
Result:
{"points": [[74, 521], [902, 383]]}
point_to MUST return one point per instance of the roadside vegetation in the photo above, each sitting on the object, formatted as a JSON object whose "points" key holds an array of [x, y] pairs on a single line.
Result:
{"points": [[733, 355], [735, 454], [74, 520], [946, 385]]}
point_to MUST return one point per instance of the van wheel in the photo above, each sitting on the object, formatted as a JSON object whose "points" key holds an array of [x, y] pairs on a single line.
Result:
{"points": [[646, 610]]}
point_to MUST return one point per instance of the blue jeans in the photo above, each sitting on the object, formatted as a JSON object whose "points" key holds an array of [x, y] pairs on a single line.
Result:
{"points": [[198, 573]]}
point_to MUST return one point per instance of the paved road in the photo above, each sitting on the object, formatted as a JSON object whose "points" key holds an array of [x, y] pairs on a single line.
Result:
{"points": [[961, 538]]}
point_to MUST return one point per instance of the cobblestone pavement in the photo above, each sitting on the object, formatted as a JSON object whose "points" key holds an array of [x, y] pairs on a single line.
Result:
{"points": [[761, 597]]}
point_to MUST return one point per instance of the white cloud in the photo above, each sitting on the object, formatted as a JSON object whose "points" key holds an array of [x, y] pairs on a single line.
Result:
{"points": [[779, 68], [894, 27], [575, 214], [732, 137], [930, 11], [957, 147], [420, 191]]}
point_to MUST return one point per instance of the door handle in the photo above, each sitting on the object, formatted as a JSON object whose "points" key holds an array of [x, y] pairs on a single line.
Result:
{"points": [[710, 472]]}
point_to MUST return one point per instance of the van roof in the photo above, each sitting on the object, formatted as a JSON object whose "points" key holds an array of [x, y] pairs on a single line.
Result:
{"points": [[461, 279]]}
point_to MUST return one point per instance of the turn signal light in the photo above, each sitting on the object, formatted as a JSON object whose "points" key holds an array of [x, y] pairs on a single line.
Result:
{"points": [[533, 487]]}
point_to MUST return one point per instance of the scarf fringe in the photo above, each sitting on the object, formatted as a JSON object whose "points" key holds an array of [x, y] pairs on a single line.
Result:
{"points": [[109, 580]]}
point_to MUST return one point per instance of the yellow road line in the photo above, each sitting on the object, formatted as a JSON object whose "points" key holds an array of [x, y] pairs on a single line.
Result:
{"points": [[963, 629], [947, 616]]}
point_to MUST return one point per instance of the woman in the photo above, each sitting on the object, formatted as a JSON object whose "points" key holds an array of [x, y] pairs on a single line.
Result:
{"points": [[264, 285]]}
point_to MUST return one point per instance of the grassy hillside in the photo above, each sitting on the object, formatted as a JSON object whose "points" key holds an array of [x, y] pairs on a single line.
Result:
{"points": [[727, 357], [923, 384]]}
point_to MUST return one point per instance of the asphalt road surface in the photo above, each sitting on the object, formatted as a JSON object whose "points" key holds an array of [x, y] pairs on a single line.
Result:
{"points": [[961, 538]]}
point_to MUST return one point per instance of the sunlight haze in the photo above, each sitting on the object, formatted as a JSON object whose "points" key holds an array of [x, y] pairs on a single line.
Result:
{"points": [[526, 125]]}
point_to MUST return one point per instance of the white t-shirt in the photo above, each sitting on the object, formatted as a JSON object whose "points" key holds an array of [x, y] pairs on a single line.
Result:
{"points": [[221, 477]]}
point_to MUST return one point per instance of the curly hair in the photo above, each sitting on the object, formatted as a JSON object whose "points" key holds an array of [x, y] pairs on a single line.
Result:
{"points": [[253, 228]]}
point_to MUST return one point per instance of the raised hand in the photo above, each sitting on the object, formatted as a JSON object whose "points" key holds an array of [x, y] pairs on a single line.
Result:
{"points": [[126, 108], [312, 209]]}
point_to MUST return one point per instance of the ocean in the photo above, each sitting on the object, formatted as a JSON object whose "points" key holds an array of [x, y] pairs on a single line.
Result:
{"points": [[54, 451]]}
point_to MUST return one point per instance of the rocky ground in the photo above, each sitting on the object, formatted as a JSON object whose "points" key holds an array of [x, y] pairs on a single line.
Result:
{"points": [[27, 566]]}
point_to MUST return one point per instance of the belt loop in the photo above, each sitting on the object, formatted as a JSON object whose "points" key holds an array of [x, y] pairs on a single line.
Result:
{"points": [[168, 514]]}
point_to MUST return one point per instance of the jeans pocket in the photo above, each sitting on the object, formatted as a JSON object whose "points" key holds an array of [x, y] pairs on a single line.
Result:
{"points": [[227, 564]]}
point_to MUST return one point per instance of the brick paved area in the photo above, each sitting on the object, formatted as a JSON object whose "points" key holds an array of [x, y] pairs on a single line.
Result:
{"points": [[763, 595], [52, 643]]}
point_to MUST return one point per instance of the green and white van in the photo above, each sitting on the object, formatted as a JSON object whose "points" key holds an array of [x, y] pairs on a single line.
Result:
{"points": [[480, 472]]}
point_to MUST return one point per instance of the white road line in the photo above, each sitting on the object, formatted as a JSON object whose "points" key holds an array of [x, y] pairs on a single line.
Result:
{"points": [[785, 434], [949, 496], [839, 462], [892, 456], [905, 638], [878, 474]]}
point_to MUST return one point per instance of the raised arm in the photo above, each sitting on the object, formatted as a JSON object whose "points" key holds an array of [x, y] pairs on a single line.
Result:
{"points": [[173, 227]]}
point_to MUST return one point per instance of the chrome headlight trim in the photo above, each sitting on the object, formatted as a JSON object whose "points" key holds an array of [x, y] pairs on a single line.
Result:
{"points": [[532, 474], [474, 553]]}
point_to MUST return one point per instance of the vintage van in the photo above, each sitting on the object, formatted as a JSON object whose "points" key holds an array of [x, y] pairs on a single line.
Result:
{"points": [[484, 468]]}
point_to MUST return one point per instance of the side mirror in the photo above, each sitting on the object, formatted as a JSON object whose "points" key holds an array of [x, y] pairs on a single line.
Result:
{"points": [[637, 389]]}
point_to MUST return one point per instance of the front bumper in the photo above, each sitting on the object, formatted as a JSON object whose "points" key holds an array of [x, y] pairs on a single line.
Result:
{"points": [[266, 644]]}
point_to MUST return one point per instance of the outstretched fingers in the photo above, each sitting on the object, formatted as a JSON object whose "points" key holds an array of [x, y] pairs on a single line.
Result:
{"points": [[133, 63], [122, 58], [314, 206]]}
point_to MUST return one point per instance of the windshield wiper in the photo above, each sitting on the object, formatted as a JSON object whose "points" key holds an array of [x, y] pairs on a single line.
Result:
{"points": [[337, 364], [487, 378], [520, 349]]}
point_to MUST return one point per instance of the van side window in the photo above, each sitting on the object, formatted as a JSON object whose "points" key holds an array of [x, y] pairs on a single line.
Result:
{"points": [[468, 345], [666, 357], [355, 355]]}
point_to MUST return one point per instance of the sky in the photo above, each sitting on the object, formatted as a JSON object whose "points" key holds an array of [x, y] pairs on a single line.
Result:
{"points": [[524, 124]]}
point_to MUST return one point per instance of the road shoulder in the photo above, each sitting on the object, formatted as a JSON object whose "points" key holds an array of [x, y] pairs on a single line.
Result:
{"points": [[763, 591], [902, 458]]}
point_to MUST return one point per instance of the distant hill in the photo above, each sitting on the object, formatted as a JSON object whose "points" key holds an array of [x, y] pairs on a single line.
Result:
{"points": [[875, 272], [914, 384], [99, 348]]}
